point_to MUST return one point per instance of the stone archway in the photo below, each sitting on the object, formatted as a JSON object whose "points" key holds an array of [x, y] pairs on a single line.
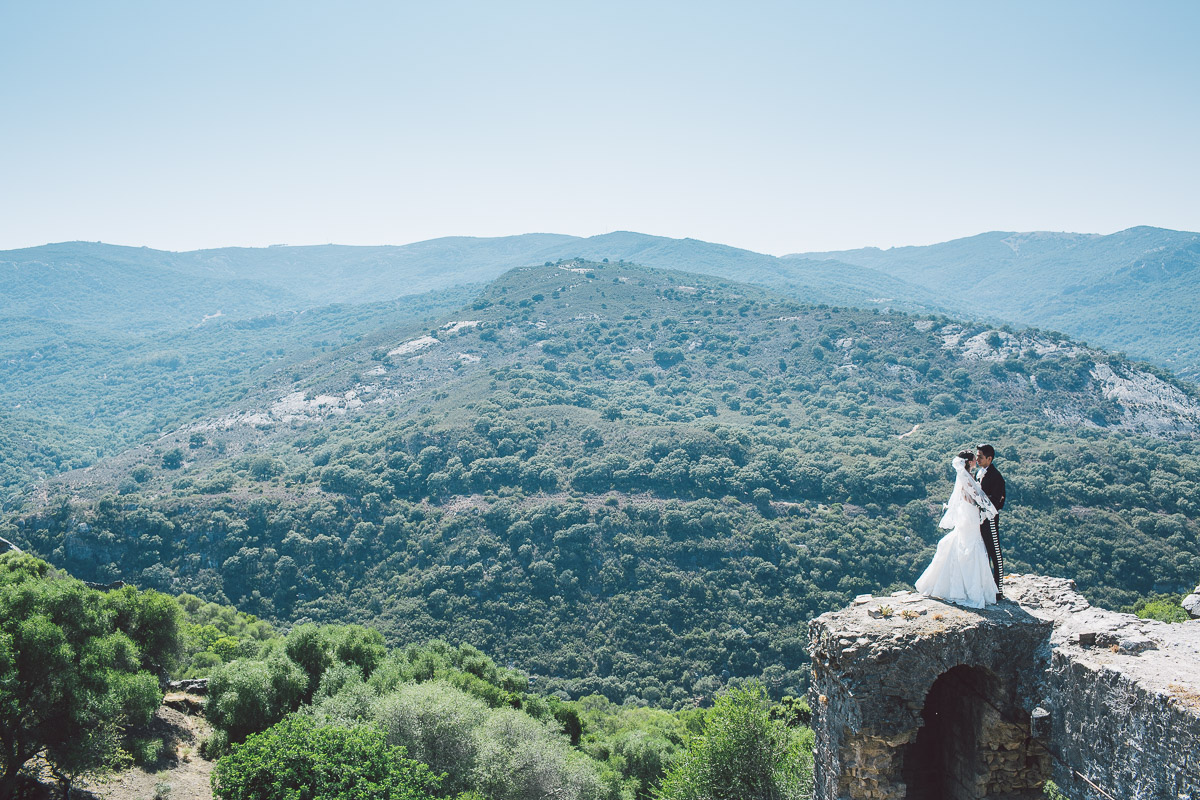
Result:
{"points": [[946, 760], [928, 701]]}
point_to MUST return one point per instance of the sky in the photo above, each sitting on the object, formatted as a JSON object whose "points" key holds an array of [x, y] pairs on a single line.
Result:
{"points": [[777, 127]]}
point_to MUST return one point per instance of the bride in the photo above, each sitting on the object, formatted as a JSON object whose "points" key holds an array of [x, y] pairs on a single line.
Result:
{"points": [[960, 571]]}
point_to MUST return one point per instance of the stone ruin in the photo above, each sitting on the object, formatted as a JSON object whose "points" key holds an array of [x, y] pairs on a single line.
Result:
{"points": [[916, 698]]}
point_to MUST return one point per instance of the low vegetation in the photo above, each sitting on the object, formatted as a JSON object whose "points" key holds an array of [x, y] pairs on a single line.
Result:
{"points": [[427, 720]]}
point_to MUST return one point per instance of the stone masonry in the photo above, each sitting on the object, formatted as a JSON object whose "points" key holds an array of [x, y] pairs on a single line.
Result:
{"points": [[916, 698]]}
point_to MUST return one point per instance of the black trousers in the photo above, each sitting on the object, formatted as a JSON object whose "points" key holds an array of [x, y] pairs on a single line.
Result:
{"points": [[989, 529]]}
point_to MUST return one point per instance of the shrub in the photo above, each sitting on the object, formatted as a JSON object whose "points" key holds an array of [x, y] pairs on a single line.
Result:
{"points": [[436, 723], [944, 405], [668, 357], [73, 669], [519, 758], [1165, 607], [248, 696], [297, 758], [742, 753]]}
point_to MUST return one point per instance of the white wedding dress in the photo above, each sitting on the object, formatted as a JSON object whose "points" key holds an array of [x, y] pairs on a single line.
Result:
{"points": [[960, 571]]}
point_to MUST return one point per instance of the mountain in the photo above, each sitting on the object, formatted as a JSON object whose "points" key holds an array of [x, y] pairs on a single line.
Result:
{"points": [[633, 481], [123, 288], [1137, 290], [140, 289], [102, 346], [1133, 291]]}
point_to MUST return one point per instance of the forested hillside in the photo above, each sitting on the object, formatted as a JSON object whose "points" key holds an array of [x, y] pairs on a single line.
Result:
{"points": [[1134, 290], [638, 482], [71, 393], [104, 346]]}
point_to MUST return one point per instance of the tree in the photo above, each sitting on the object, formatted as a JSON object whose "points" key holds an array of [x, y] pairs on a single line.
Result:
{"points": [[357, 645], [153, 620], [315, 648], [298, 759], [308, 647], [1163, 607], [742, 754], [245, 697], [591, 438], [172, 459], [71, 679], [437, 723], [668, 357]]}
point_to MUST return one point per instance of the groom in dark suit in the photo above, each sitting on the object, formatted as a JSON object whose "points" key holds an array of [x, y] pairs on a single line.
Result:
{"points": [[992, 483]]}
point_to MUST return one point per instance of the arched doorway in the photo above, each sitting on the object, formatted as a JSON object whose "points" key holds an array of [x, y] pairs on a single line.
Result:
{"points": [[945, 761]]}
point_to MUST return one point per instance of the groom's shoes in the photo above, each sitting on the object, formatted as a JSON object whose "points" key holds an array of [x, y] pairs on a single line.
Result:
{"points": [[1000, 597]]}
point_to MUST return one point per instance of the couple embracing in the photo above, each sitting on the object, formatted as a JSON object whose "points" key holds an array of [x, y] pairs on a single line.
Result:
{"points": [[967, 568]]}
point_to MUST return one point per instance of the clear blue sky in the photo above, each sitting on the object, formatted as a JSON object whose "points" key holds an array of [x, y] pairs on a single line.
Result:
{"points": [[779, 127]]}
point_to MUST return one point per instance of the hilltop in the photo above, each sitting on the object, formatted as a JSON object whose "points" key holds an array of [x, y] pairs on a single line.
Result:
{"points": [[636, 481]]}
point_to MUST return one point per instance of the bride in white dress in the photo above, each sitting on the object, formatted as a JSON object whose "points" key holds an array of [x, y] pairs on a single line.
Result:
{"points": [[960, 571]]}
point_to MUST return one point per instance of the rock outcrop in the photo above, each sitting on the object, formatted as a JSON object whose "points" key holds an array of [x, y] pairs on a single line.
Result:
{"points": [[189, 686], [1191, 603], [913, 697]]}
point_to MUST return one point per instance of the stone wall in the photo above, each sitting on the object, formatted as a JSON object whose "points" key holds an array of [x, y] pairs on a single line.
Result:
{"points": [[915, 698], [1123, 695]]}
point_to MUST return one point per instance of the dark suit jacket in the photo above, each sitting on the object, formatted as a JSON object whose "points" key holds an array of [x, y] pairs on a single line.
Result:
{"points": [[993, 486]]}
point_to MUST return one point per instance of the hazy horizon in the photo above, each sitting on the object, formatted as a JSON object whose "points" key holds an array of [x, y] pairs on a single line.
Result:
{"points": [[578, 236]]}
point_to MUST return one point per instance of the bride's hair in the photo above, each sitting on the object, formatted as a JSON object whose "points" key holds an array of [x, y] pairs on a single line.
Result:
{"points": [[967, 455]]}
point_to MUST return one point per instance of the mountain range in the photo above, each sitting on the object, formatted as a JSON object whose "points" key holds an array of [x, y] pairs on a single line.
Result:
{"points": [[1134, 291]]}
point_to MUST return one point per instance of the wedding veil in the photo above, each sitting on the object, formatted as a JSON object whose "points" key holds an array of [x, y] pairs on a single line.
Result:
{"points": [[967, 501]]}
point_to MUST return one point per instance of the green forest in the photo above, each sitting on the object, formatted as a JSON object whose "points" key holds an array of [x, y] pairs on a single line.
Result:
{"points": [[637, 484], [331, 711]]}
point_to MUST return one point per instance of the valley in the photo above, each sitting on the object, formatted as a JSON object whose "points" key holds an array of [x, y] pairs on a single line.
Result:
{"points": [[635, 482]]}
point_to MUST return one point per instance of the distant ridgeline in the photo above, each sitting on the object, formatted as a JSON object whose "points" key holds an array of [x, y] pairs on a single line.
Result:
{"points": [[631, 481]]}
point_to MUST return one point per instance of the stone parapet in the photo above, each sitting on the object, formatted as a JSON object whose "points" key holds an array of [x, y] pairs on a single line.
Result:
{"points": [[1123, 695], [913, 697]]}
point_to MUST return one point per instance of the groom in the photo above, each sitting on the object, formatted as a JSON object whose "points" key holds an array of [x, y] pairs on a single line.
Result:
{"points": [[993, 486]]}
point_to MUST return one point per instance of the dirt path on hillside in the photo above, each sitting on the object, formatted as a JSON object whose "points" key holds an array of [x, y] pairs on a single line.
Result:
{"points": [[180, 775]]}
